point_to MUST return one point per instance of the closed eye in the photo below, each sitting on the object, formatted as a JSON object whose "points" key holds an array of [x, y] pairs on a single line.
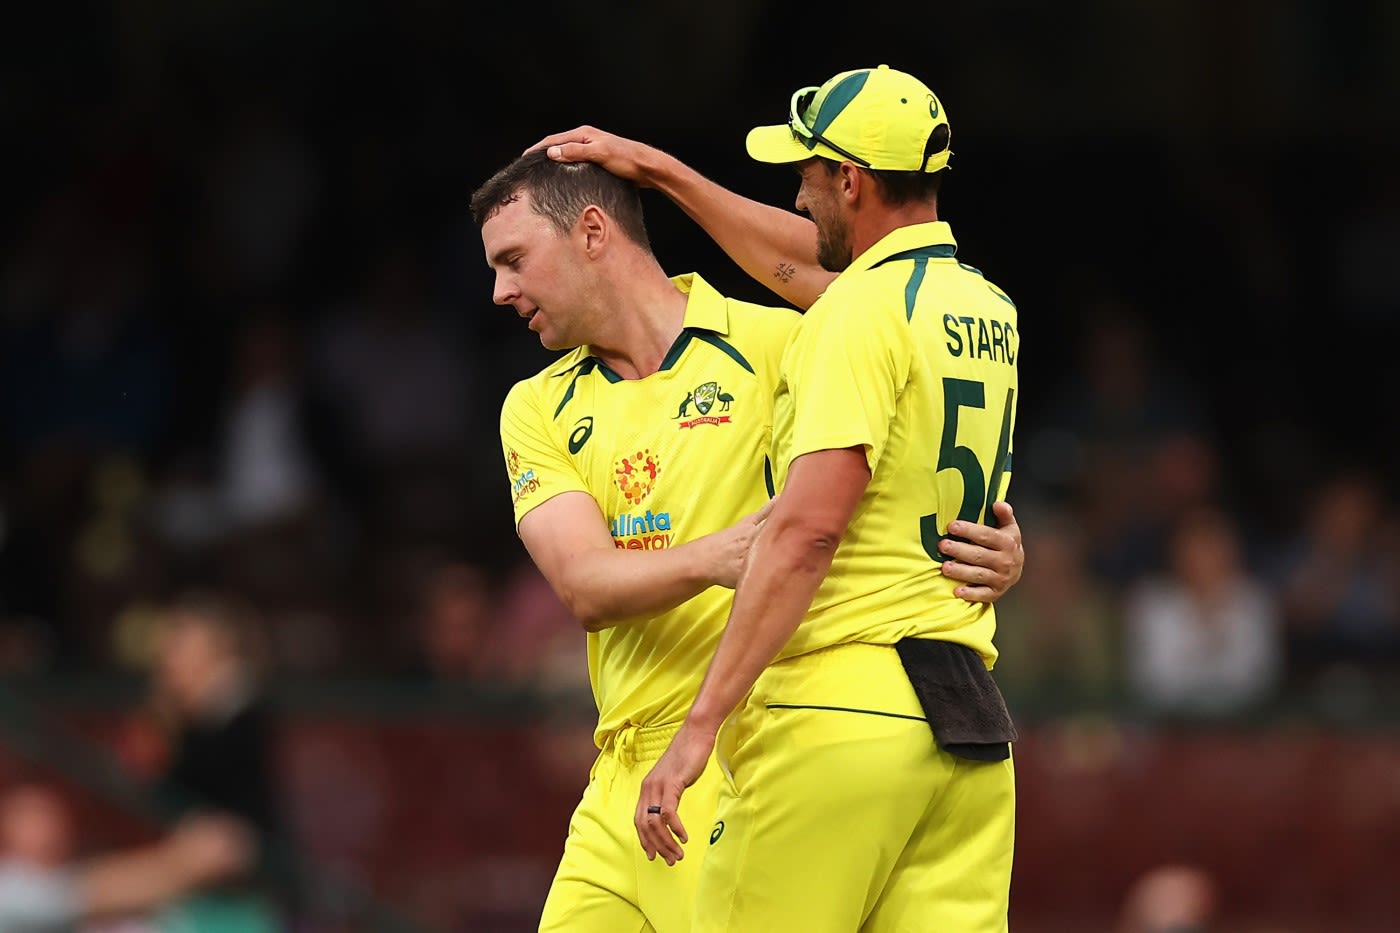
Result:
{"points": [[508, 260]]}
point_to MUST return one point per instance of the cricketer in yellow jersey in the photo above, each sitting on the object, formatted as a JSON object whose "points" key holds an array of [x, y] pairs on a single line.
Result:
{"points": [[647, 436], [866, 750]]}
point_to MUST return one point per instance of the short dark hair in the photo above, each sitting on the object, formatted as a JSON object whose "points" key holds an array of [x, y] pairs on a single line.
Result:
{"points": [[560, 191], [898, 187]]}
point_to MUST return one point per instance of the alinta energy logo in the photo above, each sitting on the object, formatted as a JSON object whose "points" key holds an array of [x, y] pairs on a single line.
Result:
{"points": [[521, 484], [636, 475], [704, 397], [651, 531]]}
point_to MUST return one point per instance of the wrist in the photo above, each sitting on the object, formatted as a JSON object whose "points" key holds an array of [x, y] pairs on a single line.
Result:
{"points": [[704, 719], [661, 170], [702, 561]]}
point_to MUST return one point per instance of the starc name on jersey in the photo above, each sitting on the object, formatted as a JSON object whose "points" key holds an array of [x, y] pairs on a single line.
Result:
{"points": [[981, 339], [648, 532]]}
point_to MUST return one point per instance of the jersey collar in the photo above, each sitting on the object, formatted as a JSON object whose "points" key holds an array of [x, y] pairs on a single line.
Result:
{"points": [[706, 308], [902, 239]]}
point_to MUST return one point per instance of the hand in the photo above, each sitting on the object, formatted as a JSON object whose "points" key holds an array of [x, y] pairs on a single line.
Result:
{"points": [[622, 157], [989, 561], [734, 544], [677, 769], [209, 847]]}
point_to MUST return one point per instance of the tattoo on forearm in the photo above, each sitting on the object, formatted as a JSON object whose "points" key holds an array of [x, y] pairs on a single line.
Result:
{"points": [[785, 272]]}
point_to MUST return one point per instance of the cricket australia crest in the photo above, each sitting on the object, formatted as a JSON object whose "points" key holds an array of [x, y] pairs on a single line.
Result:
{"points": [[704, 397]]}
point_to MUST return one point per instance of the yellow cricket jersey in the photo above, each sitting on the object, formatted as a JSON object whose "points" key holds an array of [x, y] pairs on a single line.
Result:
{"points": [[912, 355], [668, 458]]}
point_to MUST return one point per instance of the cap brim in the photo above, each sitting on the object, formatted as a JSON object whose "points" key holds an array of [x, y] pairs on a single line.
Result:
{"points": [[777, 145]]}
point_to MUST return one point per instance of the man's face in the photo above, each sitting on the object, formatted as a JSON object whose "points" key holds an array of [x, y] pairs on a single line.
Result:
{"points": [[536, 273], [35, 827], [191, 658], [818, 198]]}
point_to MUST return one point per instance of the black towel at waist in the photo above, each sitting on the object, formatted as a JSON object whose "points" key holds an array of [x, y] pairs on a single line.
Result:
{"points": [[960, 698]]}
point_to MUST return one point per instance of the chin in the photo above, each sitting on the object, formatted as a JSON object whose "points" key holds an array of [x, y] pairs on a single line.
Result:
{"points": [[833, 256]]}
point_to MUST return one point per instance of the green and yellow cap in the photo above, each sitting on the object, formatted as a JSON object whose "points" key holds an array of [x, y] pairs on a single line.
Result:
{"points": [[878, 118]]}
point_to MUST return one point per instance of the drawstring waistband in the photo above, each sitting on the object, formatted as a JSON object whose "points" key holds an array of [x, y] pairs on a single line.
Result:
{"points": [[631, 744]]}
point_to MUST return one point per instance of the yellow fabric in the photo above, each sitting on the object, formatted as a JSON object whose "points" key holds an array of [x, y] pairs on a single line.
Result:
{"points": [[837, 820], [881, 115], [669, 458], [870, 365], [604, 883]]}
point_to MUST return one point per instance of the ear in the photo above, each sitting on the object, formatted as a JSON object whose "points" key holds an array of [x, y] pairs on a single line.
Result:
{"points": [[849, 182], [595, 227]]}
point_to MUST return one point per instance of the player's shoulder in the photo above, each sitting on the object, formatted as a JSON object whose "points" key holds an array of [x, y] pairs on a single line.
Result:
{"points": [[712, 309], [978, 281], [754, 335], [892, 290], [861, 297], [747, 318], [542, 382]]}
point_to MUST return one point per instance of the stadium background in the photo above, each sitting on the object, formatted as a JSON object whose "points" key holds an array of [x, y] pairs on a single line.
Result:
{"points": [[246, 341]]}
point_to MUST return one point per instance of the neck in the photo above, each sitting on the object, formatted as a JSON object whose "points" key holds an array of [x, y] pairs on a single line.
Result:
{"points": [[874, 224], [643, 316]]}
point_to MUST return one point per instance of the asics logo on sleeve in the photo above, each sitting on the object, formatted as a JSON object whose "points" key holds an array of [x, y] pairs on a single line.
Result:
{"points": [[583, 430]]}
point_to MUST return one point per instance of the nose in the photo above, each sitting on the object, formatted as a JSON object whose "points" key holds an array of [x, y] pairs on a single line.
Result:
{"points": [[505, 291], [801, 203]]}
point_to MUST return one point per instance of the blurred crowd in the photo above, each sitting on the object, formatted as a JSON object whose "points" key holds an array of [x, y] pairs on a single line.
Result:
{"points": [[340, 472], [250, 374], [195, 771], [247, 345], [1166, 579], [327, 468]]}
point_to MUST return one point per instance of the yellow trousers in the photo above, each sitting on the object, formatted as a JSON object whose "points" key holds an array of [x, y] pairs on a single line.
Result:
{"points": [[839, 812]]}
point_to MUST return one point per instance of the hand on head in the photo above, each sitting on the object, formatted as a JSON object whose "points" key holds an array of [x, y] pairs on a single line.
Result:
{"points": [[625, 158]]}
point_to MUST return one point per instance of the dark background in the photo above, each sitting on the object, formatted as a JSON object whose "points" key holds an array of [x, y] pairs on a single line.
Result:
{"points": [[236, 234]]}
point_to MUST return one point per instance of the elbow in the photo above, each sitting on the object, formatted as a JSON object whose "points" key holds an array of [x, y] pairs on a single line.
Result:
{"points": [[809, 546], [590, 613], [592, 621], [582, 610], [819, 552]]}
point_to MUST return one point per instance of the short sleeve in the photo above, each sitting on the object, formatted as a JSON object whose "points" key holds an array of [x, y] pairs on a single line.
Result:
{"points": [[537, 462], [846, 370]]}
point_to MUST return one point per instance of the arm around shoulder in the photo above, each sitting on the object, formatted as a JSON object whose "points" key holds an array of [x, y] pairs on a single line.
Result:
{"points": [[776, 247]]}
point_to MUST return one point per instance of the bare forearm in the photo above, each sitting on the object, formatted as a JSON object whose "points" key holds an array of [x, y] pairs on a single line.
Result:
{"points": [[776, 247], [769, 605], [202, 850], [606, 581], [605, 588], [131, 882]]}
